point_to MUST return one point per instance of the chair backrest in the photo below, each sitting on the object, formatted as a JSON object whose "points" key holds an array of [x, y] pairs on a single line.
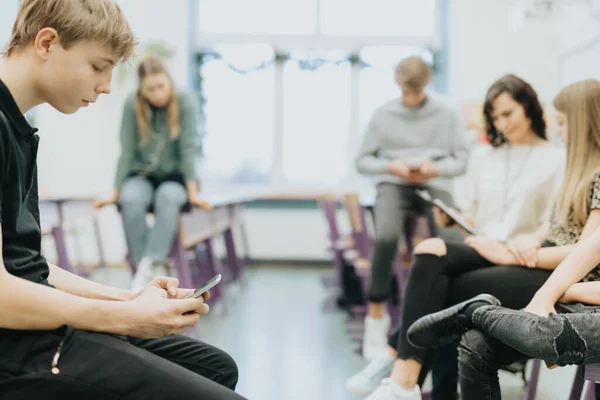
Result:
{"points": [[356, 215], [328, 205]]}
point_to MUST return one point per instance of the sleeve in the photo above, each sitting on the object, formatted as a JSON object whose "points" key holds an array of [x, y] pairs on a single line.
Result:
{"points": [[368, 161], [595, 203], [128, 139], [456, 163], [188, 137]]}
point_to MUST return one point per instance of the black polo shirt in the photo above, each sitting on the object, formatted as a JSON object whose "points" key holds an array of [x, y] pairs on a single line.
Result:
{"points": [[19, 208]]}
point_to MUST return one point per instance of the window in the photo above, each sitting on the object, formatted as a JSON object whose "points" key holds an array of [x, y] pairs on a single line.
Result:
{"points": [[278, 116], [258, 16], [405, 18], [238, 87], [316, 115]]}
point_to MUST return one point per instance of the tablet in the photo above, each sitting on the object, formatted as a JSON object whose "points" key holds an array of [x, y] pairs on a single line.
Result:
{"points": [[454, 216]]}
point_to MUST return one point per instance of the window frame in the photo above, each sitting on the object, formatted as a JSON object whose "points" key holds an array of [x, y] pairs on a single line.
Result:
{"points": [[286, 43]]}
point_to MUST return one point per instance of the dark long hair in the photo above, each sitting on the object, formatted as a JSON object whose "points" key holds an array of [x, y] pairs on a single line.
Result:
{"points": [[522, 93]]}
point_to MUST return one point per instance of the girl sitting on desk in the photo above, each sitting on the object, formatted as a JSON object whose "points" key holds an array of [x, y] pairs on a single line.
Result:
{"points": [[156, 169]]}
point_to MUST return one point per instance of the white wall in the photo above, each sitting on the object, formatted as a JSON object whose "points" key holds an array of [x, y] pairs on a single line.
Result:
{"points": [[579, 56], [485, 44], [484, 47], [7, 18]]}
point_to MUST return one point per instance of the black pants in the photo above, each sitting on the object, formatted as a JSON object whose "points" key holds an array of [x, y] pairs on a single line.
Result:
{"points": [[96, 366], [436, 282], [392, 204]]}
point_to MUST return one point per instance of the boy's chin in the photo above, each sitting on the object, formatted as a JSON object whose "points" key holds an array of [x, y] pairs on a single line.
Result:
{"points": [[66, 109]]}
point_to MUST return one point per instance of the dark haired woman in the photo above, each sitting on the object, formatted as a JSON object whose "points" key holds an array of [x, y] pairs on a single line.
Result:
{"points": [[156, 167], [510, 188]]}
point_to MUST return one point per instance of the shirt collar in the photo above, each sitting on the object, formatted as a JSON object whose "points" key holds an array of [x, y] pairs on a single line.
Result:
{"points": [[12, 112]]}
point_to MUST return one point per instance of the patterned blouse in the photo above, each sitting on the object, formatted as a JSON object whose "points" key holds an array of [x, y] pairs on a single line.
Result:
{"points": [[570, 233]]}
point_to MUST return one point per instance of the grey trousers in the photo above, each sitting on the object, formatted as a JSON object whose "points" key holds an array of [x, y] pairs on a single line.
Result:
{"points": [[136, 196], [504, 336], [393, 203]]}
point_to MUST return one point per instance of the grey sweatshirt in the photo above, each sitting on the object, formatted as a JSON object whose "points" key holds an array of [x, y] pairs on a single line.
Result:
{"points": [[433, 131]]}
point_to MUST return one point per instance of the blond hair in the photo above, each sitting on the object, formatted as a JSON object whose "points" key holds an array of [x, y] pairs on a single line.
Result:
{"points": [[73, 20], [148, 66], [413, 73], [580, 102]]}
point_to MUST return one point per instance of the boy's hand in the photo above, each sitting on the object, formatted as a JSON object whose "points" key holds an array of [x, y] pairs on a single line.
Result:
{"points": [[428, 169], [153, 315], [171, 286], [399, 168]]}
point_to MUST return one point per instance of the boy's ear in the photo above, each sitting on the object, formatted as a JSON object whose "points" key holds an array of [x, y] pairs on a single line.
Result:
{"points": [[44, 41]]}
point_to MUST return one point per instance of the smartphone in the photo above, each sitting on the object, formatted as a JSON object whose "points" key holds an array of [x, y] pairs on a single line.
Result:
{"points": [[206, 286], [424, 194]]}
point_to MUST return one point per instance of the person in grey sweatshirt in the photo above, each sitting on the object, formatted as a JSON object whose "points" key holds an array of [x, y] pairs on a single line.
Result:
{"points": [[415, 141]]}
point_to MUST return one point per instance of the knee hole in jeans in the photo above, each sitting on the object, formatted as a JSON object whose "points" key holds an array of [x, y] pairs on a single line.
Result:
{"points": [[433, 246]]}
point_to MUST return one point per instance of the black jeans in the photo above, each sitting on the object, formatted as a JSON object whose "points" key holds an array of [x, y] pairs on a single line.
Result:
{"points": [[393, 203], [438, 282], [504, 336], [97, 366]]}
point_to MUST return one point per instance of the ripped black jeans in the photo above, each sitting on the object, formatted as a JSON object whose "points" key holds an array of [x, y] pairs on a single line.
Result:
{"points": [[504, 336]]}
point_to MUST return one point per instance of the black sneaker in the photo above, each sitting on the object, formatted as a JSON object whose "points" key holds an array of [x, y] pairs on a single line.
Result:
{"points": [[446, 326]]}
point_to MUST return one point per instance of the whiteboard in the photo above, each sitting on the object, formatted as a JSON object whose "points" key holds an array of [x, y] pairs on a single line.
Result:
{"points": [[580, 63]]}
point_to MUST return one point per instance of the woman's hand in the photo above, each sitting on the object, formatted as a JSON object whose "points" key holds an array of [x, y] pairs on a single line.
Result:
{"points": [[112, 199], [443, 220], [540, 306], [196, 201], [492, 250], [525, 249]]}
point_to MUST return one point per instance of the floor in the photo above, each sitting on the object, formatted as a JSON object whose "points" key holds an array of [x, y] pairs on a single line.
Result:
{"points": [[288, 348]]}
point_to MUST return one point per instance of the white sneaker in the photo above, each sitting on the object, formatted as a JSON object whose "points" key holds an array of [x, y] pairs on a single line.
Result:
{"points": [[389, 390], [375, 338], [369, 378], [146, 271]]}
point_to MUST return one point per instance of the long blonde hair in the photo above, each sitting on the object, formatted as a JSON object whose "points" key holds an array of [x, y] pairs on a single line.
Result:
{"points": [[580, 102], [148, 66]]}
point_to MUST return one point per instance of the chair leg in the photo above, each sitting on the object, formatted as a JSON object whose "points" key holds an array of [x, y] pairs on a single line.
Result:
{"points": [[233, 261], [217, 291], [182, 266], [99, 244], [590, 393], [533, 380], [58, 233], [578, 382]]}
